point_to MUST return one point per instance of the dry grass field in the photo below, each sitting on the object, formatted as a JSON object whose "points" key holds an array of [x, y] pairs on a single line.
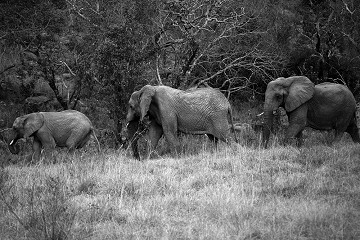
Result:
{"points": [[235, 192]]}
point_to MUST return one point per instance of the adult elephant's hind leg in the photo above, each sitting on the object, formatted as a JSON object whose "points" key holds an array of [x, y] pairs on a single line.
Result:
{"points": [[339, 132], [346, 124], [77, 140], [82, 141], [219, 128], [338, 135], [46, 142], [353, 130]]}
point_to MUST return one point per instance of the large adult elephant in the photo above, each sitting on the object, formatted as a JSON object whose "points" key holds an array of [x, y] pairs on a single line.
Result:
{"points": [[69, 128], [325, 106], [196, 111]]}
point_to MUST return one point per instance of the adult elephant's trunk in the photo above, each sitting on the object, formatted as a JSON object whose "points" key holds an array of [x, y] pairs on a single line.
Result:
{"points": [[13, 147], [131, 136], [268, 122]]}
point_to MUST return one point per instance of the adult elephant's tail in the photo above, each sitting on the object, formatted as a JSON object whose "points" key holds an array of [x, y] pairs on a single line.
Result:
{"points": [[232, 124], [353, 129], [96, 139]]}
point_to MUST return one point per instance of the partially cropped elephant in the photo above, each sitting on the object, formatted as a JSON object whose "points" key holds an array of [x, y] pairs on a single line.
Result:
{"points": [[196, 111], [325, 106], [69, 128]]}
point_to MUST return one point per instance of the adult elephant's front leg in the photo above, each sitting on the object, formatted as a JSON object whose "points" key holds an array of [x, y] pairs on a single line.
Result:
{"points": [[132, 134], [170, 131], [297, 123], [154, 135], [48, 143], [36, 147]]}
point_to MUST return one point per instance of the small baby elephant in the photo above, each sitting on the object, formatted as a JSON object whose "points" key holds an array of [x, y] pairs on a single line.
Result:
{"points": [[69, 128]]}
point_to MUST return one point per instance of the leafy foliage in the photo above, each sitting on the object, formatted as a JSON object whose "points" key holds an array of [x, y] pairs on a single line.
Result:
{"points": [[95, 53]]}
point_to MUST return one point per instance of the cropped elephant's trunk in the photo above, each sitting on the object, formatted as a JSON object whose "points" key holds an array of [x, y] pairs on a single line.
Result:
{"points": [[267, 125], [13, 147], [131, 137]]}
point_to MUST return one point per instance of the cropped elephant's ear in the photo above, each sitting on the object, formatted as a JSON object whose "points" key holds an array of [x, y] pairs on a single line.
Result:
{"points": [[147, 92], [32, 123], [300, 91]]}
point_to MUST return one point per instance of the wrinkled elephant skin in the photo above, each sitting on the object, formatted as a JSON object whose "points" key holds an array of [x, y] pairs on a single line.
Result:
{"points": [[325, 106], [69, 128], [195, 111]]}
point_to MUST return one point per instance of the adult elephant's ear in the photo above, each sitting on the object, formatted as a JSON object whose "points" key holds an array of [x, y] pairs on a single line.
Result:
{"points": [[300, 90], [32, 123], [147, 93]]}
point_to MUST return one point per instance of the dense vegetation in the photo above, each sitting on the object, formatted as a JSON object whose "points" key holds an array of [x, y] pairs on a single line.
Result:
{"points": [[91, 54]]}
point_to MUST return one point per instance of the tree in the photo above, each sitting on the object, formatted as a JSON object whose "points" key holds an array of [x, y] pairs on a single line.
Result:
{"points": [[122, 53], [325, 45], [38, 29]]}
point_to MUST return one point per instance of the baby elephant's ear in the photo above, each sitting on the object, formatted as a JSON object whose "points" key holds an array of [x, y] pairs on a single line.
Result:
{"points": [[300, 90], [32, 123], [147, 93]]}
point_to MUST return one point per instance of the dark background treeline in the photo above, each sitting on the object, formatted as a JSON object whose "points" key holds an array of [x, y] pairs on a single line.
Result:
{"points": [[90, 55]]}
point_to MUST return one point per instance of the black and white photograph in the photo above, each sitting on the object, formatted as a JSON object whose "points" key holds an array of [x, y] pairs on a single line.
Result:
{"points": [[180, 119]]}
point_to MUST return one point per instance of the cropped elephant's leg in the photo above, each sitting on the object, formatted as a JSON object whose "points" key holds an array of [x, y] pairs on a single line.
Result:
{"points": [[213, 139], [339, 132], [37, 146], [299, 138], [294, 131], [135, 147], [154, 134], [342, 125], [220, 129], [77, 139], [222, 136], [82, 140], [170, 132], [297, 123], [353, 130], [131, 135], [48, 143], [173, 142]]}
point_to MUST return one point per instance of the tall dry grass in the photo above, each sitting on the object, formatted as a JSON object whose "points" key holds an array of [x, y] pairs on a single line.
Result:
{"points": [[234, 192]]}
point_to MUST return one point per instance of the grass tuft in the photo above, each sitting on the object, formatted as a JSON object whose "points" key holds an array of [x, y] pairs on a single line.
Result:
{"points": [[236, 191]]}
